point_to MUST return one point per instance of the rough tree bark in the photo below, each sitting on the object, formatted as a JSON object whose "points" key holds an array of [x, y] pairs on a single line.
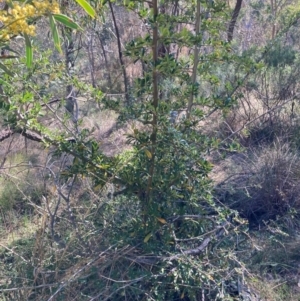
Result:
{"points": [[233, 20]]}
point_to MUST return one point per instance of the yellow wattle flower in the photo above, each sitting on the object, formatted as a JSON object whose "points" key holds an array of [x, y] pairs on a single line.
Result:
{"points": [[15, 20]]}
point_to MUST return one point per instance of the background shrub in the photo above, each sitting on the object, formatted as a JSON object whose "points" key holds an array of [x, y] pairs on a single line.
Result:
{"points": [[263, 184]]}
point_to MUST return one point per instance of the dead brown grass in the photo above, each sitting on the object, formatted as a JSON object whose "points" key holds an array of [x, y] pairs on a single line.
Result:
{"points": [[263, 184]]}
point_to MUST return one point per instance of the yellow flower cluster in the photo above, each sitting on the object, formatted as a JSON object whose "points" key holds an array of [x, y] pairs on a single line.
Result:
{"points": [[16, 20]]}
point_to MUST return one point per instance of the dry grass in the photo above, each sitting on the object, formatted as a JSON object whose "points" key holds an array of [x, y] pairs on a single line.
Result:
{"points": [[263, 184], [277, 263], [276, 290], [21, 189], [253, 122], [112, 138]]}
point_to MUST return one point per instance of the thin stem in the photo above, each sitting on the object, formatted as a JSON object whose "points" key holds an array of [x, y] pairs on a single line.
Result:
{"points": [[196, 61], [120, 53], [155, 96]]}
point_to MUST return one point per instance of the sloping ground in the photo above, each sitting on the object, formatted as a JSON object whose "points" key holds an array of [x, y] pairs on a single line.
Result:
{"points": [[112, 138], [253, 176], [273, 266]]}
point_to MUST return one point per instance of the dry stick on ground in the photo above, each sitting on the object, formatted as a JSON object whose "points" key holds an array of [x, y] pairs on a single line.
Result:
{"points": [[216, 233], [128, 283], [219, 230], [15, 253], [27, 287], [78, 271]]}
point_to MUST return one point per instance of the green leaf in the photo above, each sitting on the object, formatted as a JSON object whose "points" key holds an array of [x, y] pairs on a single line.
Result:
{"points": [[87, 7], [6, 70], [65, 20], [55, 34], [29, 52], [149, 155], [148, 236]]}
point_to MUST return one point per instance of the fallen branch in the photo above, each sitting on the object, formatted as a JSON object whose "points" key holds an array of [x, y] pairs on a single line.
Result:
{"points": [[216, 233], [6, 133], [220, 230]]}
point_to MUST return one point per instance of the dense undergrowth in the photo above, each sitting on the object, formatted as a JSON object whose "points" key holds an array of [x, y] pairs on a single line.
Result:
{"points": [[156, 159]]}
